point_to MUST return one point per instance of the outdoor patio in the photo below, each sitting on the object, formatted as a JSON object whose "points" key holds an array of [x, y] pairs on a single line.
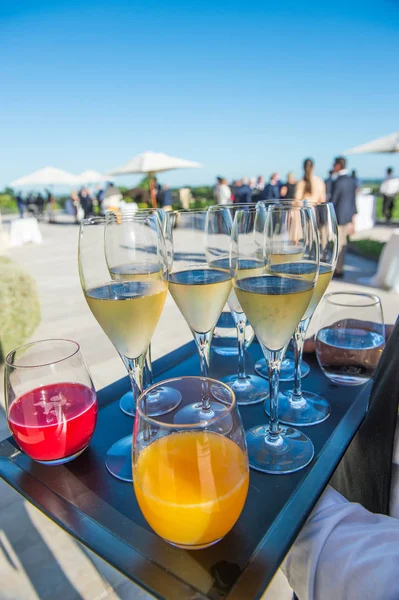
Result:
{"points": [[38, 559]]}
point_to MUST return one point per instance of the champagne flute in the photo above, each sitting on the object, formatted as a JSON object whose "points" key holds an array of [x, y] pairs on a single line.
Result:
{"points": [[127, 310], [122, 265], [274, 305], [297, 406], [287, 369], [248, 388], [200, 292]]}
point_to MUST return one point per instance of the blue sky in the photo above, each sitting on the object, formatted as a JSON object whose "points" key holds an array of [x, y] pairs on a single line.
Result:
{"points": [[244, 88]]}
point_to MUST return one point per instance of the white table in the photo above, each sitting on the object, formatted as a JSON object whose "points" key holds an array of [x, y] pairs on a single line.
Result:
{"points": [[25, 231], [365, 217]]}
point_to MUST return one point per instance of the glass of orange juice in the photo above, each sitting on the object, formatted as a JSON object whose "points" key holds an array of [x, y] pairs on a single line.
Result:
{"points": [[191, 479]]}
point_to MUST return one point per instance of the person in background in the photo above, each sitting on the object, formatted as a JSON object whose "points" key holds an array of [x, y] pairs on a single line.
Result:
{"points": [[242, 192], [216, 189], [84, 202], [356, 180], [260, 183], [112, 197], [343, 196], [20, 204], [252, 183], [100, 199], [75, 205], [389, 189], [310, 187], [223, 193], [329, 183], [40, 204], [165, 198], [287, 190], [50, 205], [271, 190]]}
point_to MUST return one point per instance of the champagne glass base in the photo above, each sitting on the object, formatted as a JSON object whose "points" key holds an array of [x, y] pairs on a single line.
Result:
{"points": [[287, 371], [248, 390], [226, 350], [126, 404], [160, 402], [193, 413], [314, 409], [119, 459], [291, 453]]}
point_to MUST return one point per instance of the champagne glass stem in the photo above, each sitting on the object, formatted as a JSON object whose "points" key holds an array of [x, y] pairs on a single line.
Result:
{"points": [[148, 368], [135, 369], [203, 341], [299, 341], [273, 359], [241, 348]]}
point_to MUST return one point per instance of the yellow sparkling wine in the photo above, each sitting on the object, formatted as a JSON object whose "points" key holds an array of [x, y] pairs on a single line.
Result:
{"points": [[274, 306], [191, 486], [323, 281], [200, 295], [128, 312]]}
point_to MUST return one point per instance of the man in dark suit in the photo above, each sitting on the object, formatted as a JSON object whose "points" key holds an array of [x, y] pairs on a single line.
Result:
{"points": [[242, 192], [271, 190], [343, 196]]}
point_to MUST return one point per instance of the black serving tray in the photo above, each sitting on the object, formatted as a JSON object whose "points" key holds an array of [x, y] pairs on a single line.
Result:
{"points": [[102, 512]]}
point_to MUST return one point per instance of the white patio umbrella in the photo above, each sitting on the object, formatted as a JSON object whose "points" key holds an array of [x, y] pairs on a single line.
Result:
{"points": [[91, 176], [151, 163], [386, 144], [46, 176]]}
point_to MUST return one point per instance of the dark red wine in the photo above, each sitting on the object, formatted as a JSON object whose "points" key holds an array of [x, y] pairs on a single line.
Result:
{"points": [[55, 421]]}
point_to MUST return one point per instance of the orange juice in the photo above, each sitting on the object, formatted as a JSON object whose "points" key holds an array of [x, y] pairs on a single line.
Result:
{"points": [[191, 486]]}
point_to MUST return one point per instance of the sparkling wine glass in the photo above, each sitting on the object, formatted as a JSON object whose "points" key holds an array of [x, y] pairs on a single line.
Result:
{"points": [[50, 399], [123, 265], [127, 310], [274, 304], [351, 337], [191, 478], [200, 292], [297, 406], [287, 368], [248, 388]]}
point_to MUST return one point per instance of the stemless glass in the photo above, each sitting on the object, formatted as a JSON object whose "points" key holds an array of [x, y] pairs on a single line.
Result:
{"points": [[351, 338], [248, 388], [274, 304], [200, 292], [123, 265], [191, 479], [127, 310], [297, 406], [50, 398]]}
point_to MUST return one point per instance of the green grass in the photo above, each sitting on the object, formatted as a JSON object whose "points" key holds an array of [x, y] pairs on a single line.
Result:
{"points": [[19, 306], [367, 248]]}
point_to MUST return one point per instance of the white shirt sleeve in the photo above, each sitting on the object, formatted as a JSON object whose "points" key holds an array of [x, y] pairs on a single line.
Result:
{"points": [[344, 552]]}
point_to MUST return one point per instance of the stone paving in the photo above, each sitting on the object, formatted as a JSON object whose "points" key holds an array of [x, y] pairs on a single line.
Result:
{"points": [[37, 559]]}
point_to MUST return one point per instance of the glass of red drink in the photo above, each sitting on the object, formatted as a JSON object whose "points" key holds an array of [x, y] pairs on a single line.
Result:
{"points": [[51, 401]]}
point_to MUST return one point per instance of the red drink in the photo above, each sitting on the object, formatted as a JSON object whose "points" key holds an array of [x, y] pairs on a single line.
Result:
{"points": [[55, 421]]}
